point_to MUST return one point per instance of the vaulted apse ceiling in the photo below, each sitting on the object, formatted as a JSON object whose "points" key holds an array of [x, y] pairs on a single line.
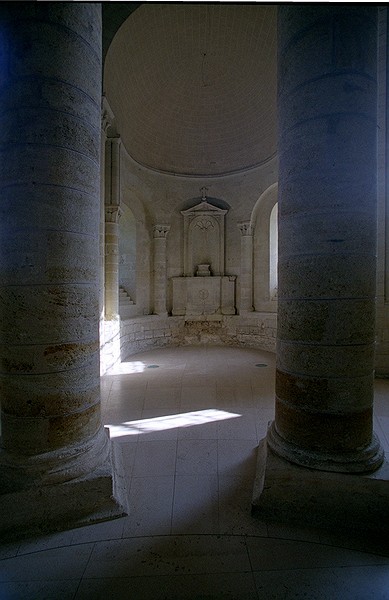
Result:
{"points": [[193, 86]]}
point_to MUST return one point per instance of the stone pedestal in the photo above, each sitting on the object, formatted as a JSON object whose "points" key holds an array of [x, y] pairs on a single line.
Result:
{"points": [[49, 269], [356, 504]]}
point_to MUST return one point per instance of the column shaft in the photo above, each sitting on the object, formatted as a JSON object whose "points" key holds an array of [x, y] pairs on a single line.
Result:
{"points": [[327, 238], [49, 261], [112, 215], [160, 283], [246, 267]]}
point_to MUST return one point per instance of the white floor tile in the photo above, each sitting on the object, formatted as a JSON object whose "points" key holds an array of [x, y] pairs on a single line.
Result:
{"points": [[195, 507], [155, 458], [236, 457], [162, 397], [236, 586], [42, 590], [277, 554], [190, 463], [196, 457], [242, 427], [168, 555], [235, 495], [150, 506], [364, 583], [9, 550], [55, 564]]}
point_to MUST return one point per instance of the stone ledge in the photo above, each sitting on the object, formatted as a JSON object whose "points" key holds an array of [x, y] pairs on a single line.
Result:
{"points": [[99, 496], [356, 504]]}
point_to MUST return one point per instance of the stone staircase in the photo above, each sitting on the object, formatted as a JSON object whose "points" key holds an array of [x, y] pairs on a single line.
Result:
{"points": [[126, 305]]}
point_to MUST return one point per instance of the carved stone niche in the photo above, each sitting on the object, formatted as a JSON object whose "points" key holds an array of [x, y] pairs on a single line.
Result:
{"points": [[204, 292]]}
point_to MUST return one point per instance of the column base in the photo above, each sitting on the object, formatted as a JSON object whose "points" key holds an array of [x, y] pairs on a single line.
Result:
{"points": [[287, 493], [100, 495], [366, 460]]}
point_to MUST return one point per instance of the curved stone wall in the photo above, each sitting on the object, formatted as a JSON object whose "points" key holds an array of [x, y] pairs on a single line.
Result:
{"points": [[143, 333]]}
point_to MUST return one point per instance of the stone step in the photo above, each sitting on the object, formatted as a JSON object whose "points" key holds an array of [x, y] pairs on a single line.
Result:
{"points": [[124, 298]]}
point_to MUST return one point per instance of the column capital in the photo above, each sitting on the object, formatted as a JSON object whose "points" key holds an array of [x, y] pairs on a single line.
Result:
{"points": [[107, 116], [246, 228], [114, 138], [161, 231], [112, 213]]}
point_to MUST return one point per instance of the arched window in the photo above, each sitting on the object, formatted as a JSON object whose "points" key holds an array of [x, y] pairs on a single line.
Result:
{"points": [[265, 253], [273, 252]]}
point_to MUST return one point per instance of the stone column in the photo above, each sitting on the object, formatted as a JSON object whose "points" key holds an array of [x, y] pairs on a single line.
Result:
{"points": [[55, 455], [327, 98], [112, 215], [160, 235], [246, 267]]}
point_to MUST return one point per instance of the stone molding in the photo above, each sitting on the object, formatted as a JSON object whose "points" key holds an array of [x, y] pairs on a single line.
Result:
{"points": [[246, 228], [112, 213], [160, 231], [107, 116], [204, 223]]}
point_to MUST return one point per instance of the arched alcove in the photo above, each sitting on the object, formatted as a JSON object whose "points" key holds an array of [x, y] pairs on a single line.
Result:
{"points": [[127, 252], [264, 219]]}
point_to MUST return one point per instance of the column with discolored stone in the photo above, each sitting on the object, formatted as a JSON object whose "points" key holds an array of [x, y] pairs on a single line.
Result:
{"points": [[327, 96], [246, 267], [55, 454], [160, 235]]}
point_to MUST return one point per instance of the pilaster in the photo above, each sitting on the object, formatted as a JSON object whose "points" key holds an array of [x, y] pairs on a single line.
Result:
{"points": [[160, 233], [246, 267]]}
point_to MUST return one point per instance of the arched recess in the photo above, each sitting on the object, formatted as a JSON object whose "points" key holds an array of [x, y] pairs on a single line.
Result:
{"points": [[264, 222], [135, 271], [127, 252]]}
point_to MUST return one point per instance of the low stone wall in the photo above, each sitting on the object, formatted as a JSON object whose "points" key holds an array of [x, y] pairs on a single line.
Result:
{"points": [[256, 330]]}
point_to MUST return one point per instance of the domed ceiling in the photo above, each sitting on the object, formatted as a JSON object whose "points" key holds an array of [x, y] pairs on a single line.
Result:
{"points": [[193, 86]]}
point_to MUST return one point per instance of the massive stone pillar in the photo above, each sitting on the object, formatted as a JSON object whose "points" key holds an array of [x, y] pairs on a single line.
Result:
{"points": [[327, 98], [160, 235], [112, 215], [246, 267], [327, 238], [55, 465]]}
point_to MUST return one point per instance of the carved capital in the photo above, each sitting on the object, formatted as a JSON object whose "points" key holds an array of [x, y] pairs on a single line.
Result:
{"points": [[246, 229], [161, 231], [112, 213], [107, 117]]}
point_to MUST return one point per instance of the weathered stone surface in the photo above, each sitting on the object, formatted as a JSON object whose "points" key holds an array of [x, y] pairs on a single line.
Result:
{"points": [[327, 253], [54, 461], [288, 493]]}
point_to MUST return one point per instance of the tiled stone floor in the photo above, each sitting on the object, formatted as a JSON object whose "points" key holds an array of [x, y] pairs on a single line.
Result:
{"points": [[187, 430]]}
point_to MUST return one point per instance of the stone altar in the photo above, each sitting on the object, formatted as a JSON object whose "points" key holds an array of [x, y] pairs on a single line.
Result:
{"points": [[204, 291]]}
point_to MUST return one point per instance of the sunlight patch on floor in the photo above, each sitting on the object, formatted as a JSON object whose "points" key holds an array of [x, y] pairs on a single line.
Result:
{"points": [[199, 417], [126, 368]]}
